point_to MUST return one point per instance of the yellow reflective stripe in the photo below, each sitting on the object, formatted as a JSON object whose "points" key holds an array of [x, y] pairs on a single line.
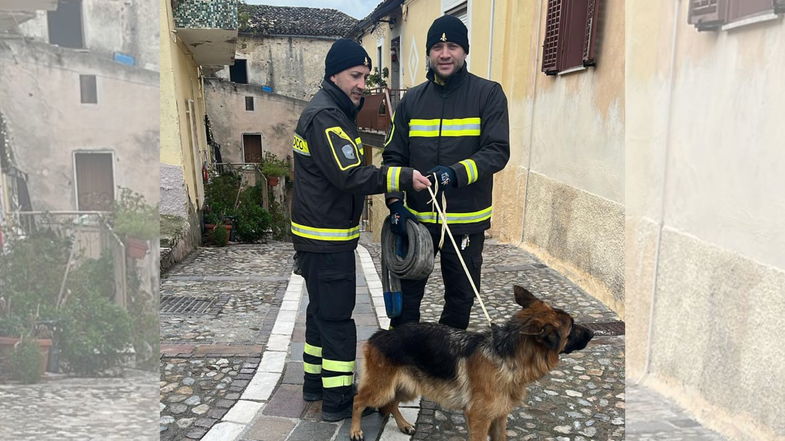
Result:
{"points": [[341, 134], [360, 145], [339, 381], [471, 170], [325, 233], [430, 128], [300, 145], [338, 366], [312, 368], [313, 350], [393, 179], [454, 218]]}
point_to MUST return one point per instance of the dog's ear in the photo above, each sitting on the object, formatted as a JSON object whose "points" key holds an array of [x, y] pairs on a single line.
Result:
{"points": [[550, 337], [523, 297]]}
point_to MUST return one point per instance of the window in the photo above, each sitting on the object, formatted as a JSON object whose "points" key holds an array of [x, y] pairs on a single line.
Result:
{"points": [[65, 24], [249, 103], [88, 89], [712, 15], [238, 72], [571, 30]]}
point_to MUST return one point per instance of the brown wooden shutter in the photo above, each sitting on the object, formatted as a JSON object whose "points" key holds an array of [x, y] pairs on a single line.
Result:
{"points": [[746, 8], [590, 37], [708, 15], [550, 45]]}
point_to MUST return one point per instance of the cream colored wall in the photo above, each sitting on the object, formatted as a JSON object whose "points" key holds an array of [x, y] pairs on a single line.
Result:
{"points": [[566, 138], [180, 82], [703, 224]]}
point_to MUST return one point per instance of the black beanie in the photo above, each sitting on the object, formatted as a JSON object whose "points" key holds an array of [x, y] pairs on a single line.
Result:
{"points": [[344, 54], [448, 28]]}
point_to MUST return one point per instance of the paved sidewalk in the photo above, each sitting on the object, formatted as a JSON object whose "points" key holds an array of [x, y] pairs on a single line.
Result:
{"points": [[651, 417]]}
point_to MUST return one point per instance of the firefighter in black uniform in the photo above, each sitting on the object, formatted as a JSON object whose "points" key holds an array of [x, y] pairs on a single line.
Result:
{"points": [[329, 187], [455, 125]]}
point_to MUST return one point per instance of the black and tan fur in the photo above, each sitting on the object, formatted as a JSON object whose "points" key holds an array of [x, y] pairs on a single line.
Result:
{"points": [[484, 374]]}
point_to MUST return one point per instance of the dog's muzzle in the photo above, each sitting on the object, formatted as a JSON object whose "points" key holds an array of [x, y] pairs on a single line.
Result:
{"points": [[578, 339]]}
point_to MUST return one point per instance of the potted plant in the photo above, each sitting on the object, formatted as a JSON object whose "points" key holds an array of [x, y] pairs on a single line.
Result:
{"points": [[135, 221], [273, 168]]}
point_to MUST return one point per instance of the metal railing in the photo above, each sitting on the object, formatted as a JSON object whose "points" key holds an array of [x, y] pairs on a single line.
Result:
{"points": [[91, 236]]}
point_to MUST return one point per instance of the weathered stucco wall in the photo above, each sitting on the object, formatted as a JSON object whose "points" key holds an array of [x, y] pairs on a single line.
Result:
{"points": [[291, 66], [274, 118], [49, 123], [567, 145], [703, 231], [117, 26]]}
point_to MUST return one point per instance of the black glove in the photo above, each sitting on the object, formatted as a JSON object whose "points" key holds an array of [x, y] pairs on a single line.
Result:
{"points": [[444, 175], [398, 216]]}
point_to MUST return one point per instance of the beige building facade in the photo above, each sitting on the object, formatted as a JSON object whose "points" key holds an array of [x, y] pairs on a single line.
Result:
{"points": [[242, 117], [705, 264]]}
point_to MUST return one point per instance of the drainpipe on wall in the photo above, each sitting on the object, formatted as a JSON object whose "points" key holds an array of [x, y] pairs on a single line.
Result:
{"points": [[668, 145], [490, 49]]}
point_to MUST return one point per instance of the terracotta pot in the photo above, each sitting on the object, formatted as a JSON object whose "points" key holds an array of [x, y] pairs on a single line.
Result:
{"points": [[7, 348], [272, 180], [135, 248]]}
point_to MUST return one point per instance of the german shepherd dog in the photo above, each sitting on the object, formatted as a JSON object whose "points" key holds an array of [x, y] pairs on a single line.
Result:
{"points": [[483, 374]]}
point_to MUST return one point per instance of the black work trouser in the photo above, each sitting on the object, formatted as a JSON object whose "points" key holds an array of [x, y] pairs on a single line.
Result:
{"points": [[330, 333], [458, 293]]}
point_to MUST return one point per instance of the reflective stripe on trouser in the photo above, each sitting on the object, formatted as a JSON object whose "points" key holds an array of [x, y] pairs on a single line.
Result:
{"points": [[331, 282], [312, 357], [458, 293]]}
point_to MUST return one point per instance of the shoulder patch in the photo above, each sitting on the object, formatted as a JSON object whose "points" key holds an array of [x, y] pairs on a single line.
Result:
{"points": [[343, 148]]}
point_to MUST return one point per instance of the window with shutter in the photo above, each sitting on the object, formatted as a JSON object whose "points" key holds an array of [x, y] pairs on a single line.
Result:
{"points": [[712, 15], [747, 8], [571, 29], [550, 47], [708, 14]]}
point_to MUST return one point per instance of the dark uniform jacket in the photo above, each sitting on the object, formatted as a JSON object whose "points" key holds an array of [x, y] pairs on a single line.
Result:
{"points": [[462, 124], [330, 180]]}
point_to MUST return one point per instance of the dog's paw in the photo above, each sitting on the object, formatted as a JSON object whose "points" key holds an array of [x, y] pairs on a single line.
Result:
{"points": [[407, 429], [357, 435]]}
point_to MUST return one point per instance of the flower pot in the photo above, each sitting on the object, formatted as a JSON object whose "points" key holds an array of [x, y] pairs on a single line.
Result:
{"points": [[272, 180], [135, 248], [7, 348]]}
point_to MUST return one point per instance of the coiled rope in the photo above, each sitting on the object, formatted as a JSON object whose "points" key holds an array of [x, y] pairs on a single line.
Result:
{"points": [[417, 264]]}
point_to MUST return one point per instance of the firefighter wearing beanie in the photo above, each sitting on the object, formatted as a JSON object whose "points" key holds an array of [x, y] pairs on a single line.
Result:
{"points": [[329, 186], [457, 124]]}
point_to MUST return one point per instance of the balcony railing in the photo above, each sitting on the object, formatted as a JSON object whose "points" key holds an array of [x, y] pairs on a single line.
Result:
{"points": [[376, 114], [208, 28]]}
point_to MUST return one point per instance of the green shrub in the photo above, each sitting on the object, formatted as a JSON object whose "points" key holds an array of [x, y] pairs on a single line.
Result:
{"points": [[279, 221], [219, 236], [252, 222], [272, 166], [25, 361], [95, 332], [220, 195]]}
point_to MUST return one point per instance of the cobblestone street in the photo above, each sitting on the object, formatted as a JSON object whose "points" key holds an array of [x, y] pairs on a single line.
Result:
{"points": [[220, 308]]}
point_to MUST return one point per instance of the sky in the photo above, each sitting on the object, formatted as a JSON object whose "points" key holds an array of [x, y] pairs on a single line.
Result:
{"points": [[358, 9]]}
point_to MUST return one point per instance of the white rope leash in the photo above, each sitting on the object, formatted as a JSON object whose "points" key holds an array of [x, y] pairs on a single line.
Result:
{"points": [[454, 244]]}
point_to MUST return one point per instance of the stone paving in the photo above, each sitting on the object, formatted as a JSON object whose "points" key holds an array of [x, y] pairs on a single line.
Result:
{"points": [[209, 355], [650, 417], [211, 359], [66, 408]]}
